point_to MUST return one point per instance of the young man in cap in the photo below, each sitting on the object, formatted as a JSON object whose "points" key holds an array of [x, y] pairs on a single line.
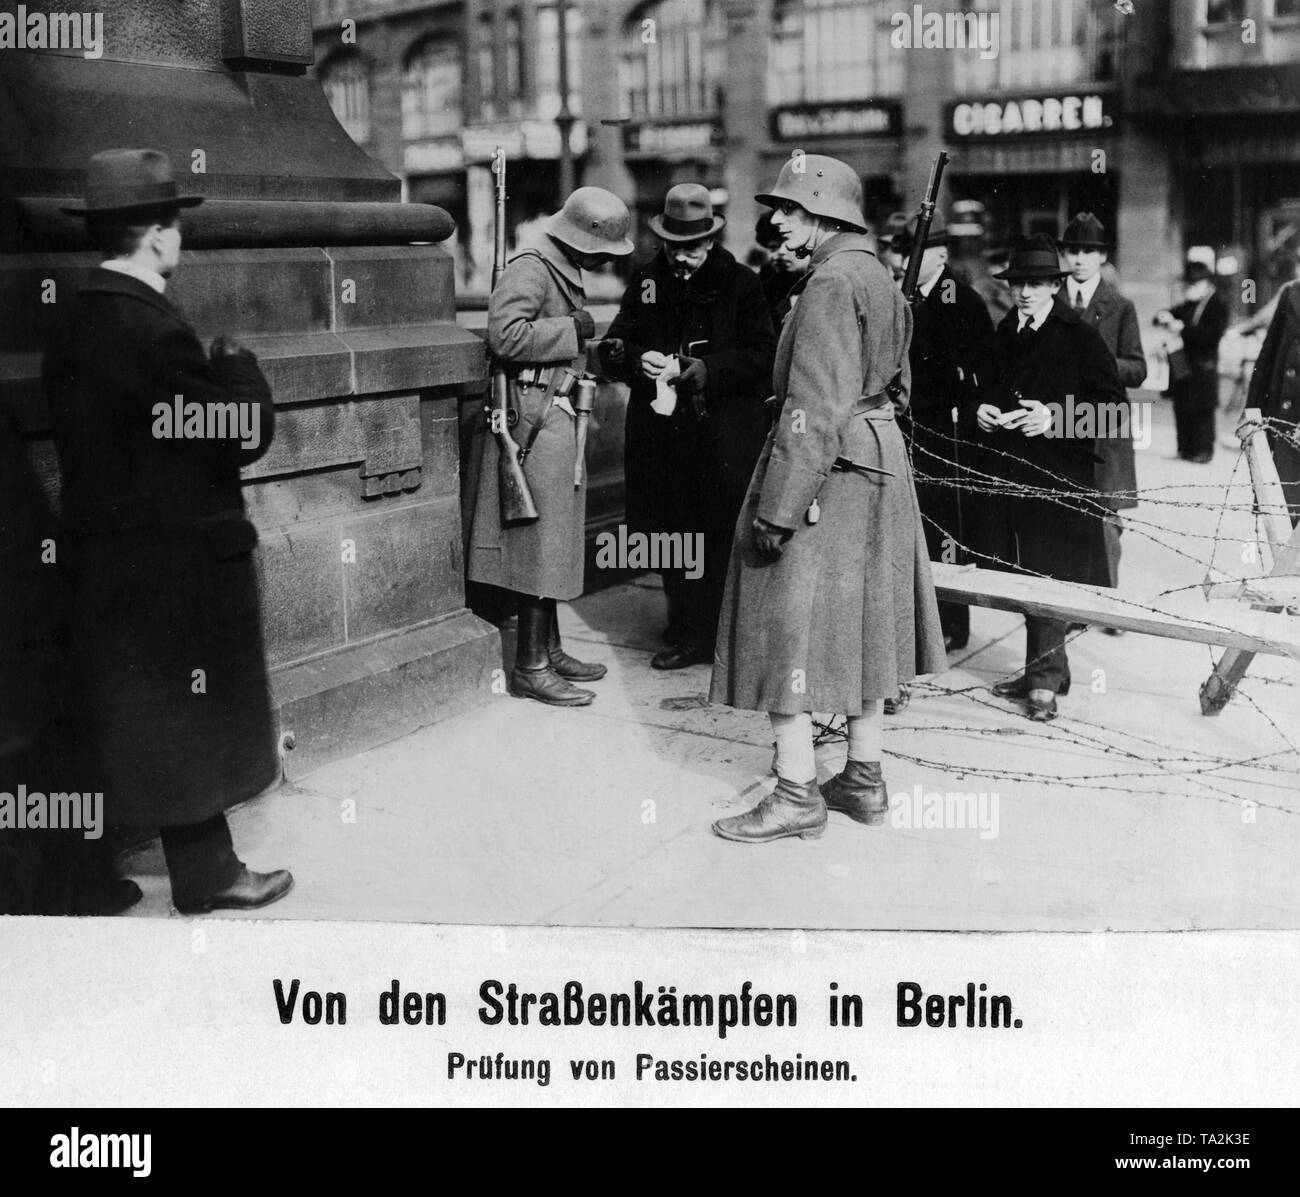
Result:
{"points": [[696, 313], [952, 341], [1044, 353], [1200, 321], [1085, 245], [169, 683], [538, 325]]}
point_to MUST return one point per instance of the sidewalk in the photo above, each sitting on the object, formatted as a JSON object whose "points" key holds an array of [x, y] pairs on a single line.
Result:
{"points": [[1131, 812]]}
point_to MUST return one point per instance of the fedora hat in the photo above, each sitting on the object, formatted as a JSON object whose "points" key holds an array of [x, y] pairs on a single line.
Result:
{"points": [[1033, 258], [687, 215], [128, 181], [938, 235], [1085, 231]]}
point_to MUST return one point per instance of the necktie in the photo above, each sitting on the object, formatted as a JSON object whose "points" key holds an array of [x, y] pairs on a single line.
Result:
{"points": [[1026, 330], [1079, 305]]}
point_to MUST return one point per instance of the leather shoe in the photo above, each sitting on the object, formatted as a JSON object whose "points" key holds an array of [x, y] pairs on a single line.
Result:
{"points": [[1017, 688], [682, 657], [790, 809], [119, 896], [859, 792], [898, 703], [574, 670], [952, 644], [549, 687], [1041, 712], [247, 892]]}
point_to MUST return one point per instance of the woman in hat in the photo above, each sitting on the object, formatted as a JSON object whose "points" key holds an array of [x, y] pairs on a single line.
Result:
{"points": [[1050, 371], [829, 603], [1200, 320]]}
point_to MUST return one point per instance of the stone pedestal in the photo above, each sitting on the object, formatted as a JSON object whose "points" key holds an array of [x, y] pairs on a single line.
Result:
{"points": [[303, 251]]}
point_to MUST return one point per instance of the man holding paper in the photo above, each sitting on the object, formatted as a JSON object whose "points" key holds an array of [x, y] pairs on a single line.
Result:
{"points": [[693, 339]]}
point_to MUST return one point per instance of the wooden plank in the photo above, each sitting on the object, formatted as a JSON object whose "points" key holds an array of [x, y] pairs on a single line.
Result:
{"points": [[1270, 592], [1228, 626]]}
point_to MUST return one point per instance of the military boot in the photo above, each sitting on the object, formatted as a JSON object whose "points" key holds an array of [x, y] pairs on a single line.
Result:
{"points": [[566, 666], [534, 676], [790, 809], [859, 792]]}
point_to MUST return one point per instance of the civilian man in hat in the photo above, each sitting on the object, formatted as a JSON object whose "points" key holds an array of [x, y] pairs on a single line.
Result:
{"points": [[538, 325], [1045, 353], [168, 672], [952, 340], [1085, 245], [779, 273], [697, 318], [1200, 321]]}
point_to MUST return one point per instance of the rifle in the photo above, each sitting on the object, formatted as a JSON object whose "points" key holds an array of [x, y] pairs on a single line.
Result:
{"points": [[517, 505], [912, 276]]}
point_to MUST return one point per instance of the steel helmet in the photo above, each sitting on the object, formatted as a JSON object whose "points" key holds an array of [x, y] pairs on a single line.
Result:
{"points": [[822, 187], [593, 221]]}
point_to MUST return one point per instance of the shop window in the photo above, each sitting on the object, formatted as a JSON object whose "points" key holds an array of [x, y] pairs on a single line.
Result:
{"points": [[1218, 12], [672, 58], [431, 90], [548, 58], [347, 87], [1044, 45], [832, 50]]}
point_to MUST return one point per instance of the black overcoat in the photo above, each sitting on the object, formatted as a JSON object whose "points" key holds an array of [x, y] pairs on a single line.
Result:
{"points": [[1275, 390], [167, 667], [1053, 507], [685, 472]]}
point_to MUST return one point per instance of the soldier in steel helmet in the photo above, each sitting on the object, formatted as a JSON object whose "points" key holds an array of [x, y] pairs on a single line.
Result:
{"points": [[829, 603], [538, 325]]}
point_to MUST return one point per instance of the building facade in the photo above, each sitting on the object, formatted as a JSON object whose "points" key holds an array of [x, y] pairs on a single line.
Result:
{"points": [[1177, 123]]}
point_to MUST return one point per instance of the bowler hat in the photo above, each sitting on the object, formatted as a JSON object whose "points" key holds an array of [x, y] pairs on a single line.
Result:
{"points": [[687, 215], [938, 235], [119, 181], [1033, 258], [1085, 231], [821, 186]]}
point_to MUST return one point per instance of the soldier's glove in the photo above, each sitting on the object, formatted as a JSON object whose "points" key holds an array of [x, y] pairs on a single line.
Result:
{"points": [[585, 324], [769, 539], [612, 355]]}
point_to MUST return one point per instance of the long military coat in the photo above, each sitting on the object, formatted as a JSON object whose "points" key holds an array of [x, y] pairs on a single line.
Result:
{"points": [[686, 472], [158, 553], [1116, 319], [1054, 508], [848, 611], [530, 322]]}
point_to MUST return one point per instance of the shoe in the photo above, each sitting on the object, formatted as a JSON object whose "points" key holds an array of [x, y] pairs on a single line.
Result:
{"points": [[954, 644], [573, 670], [1113, 631], [1016, 688], [247, 892], [549, 687], [1201, 458], [566, 666], [1041, 712], [859, 792], [118, 897], [682, 657], [790, 809], [893, 705]]}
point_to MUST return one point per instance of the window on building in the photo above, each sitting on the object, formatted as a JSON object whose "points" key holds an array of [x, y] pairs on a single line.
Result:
{"points": [[1286, 8], [1043, 45], [514, 64], [832, 50], [487, 70], [431, 89], [1219, 11], [672, 58], [548, 58], [347, 87]]}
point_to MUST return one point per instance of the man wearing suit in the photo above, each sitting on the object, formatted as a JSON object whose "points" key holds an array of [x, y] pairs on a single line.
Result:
{"points": [[1085, 245], [1200, 321], [1275, 390], [168, 677], [952, 340], [1046, 354]]}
